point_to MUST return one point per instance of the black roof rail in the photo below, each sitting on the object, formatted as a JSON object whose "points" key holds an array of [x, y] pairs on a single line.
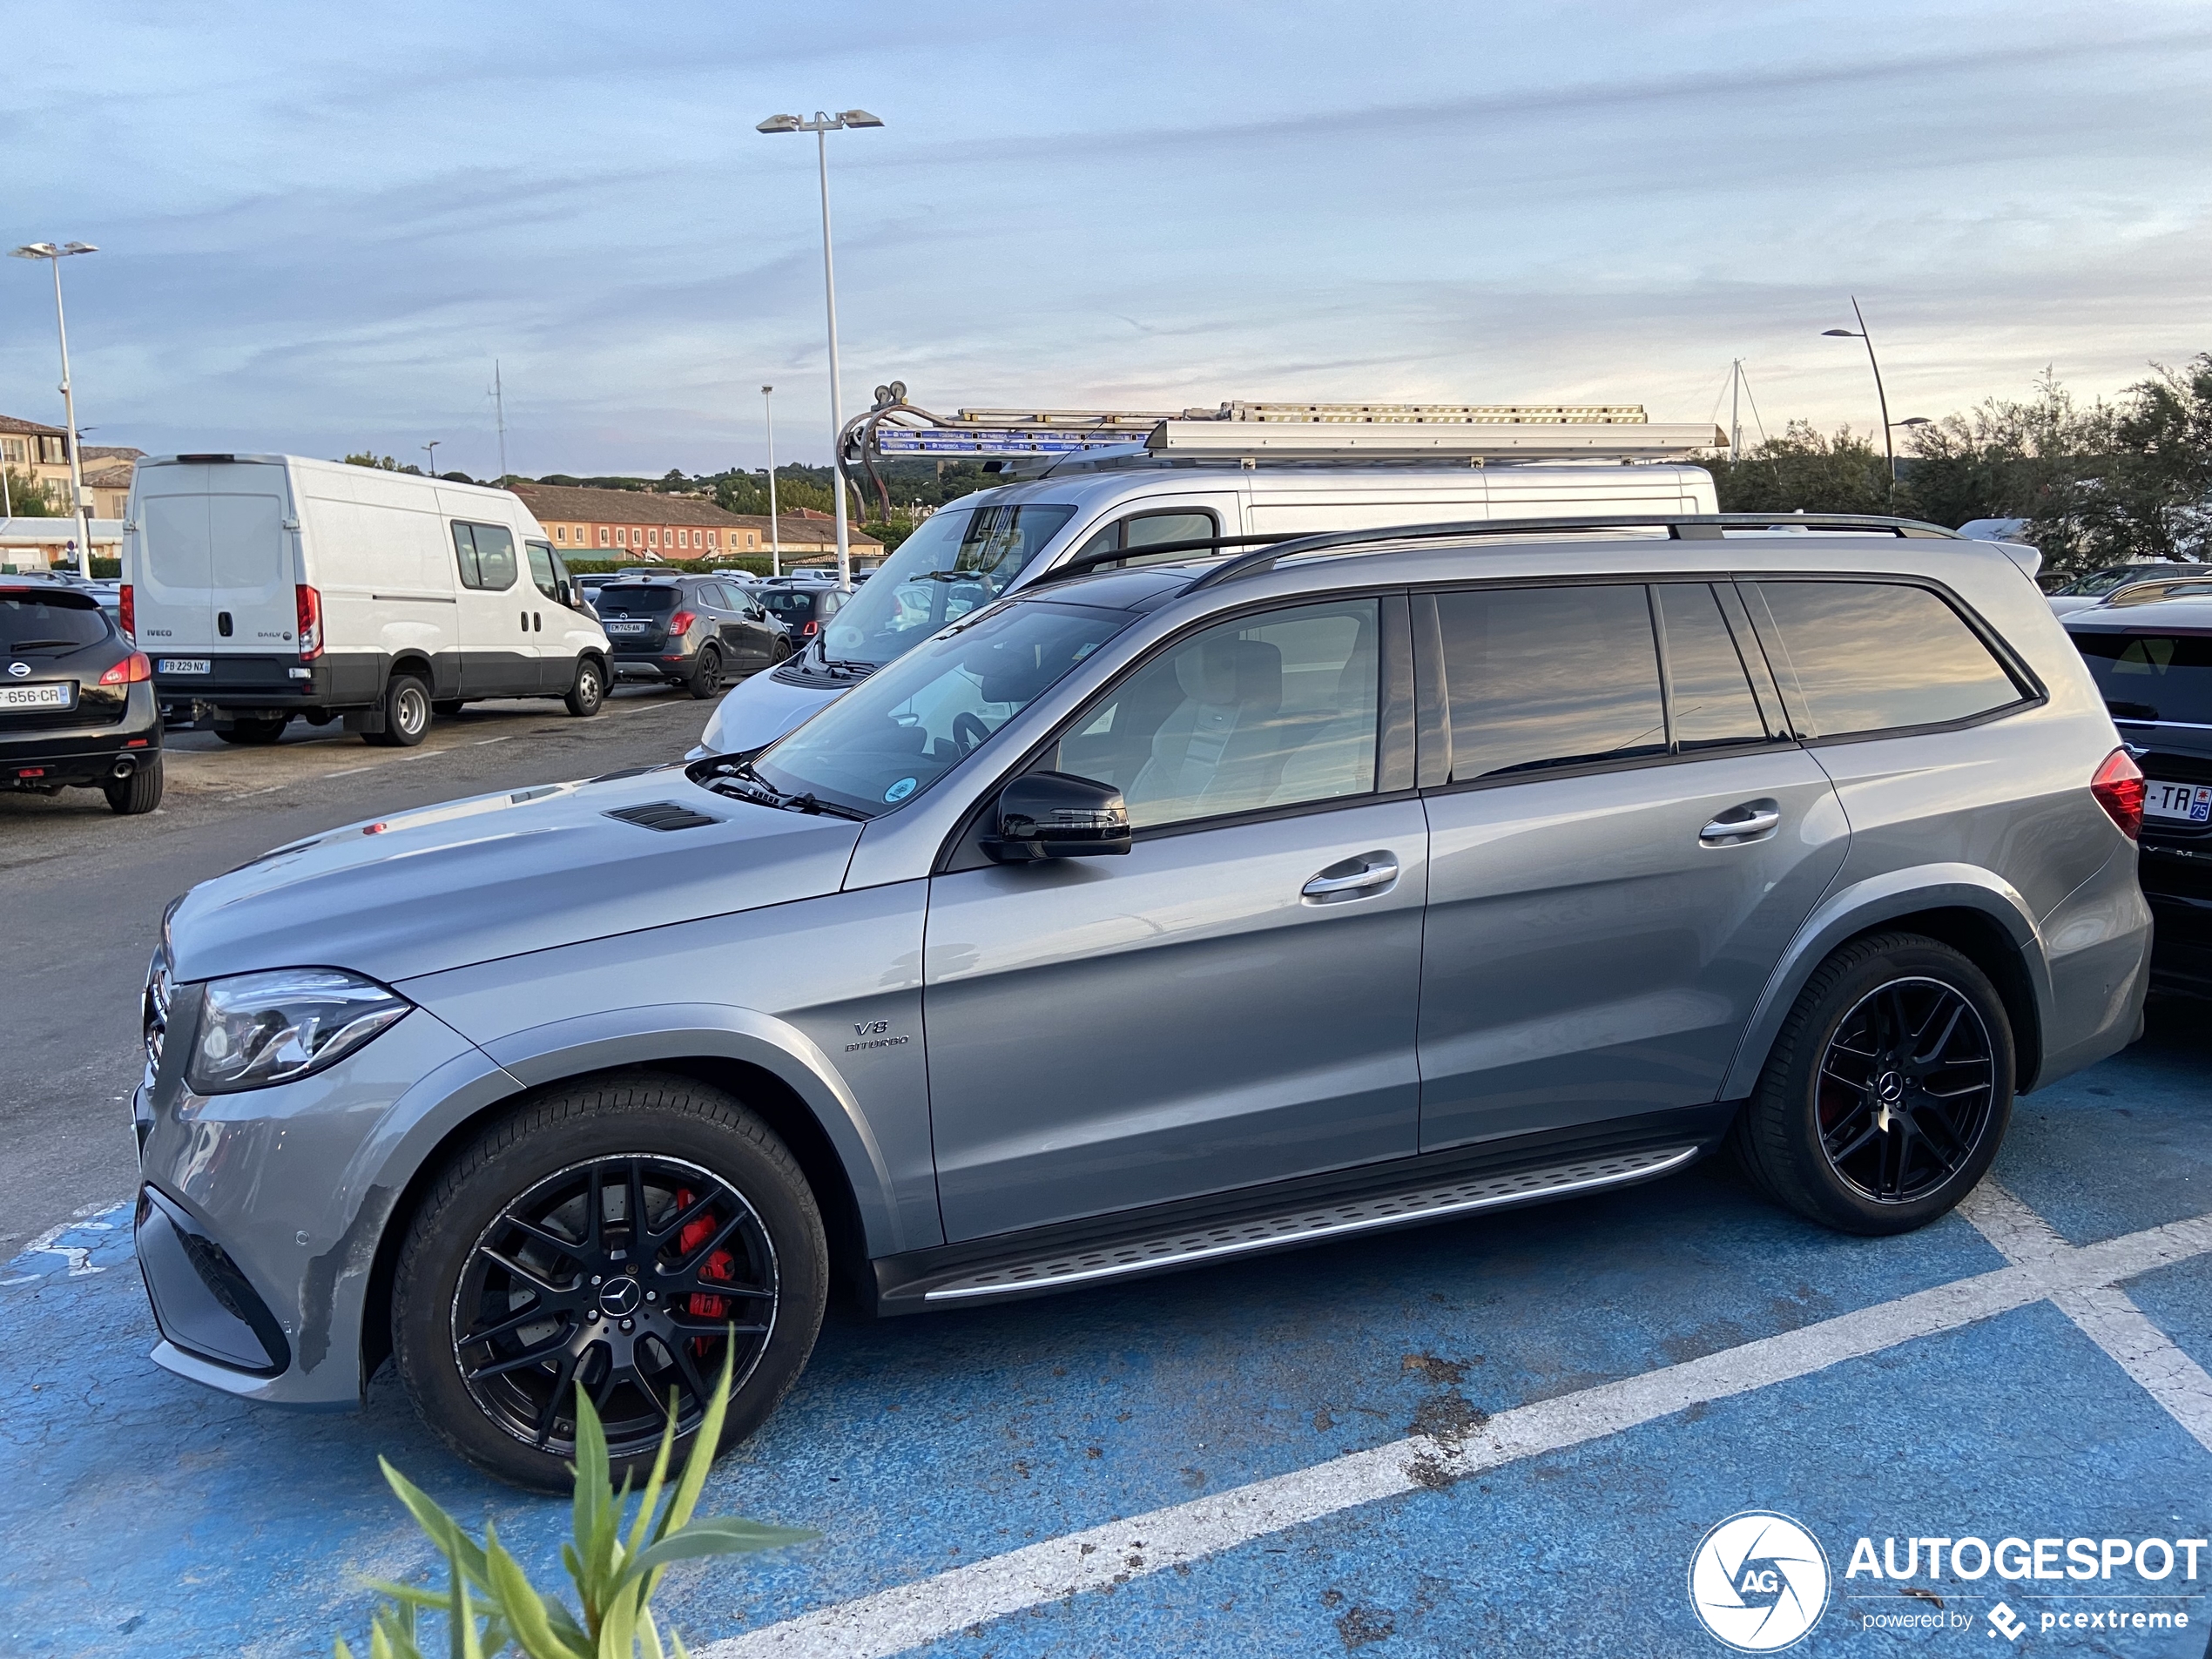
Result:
{"points": [[1083, 563], [1680, 527]]}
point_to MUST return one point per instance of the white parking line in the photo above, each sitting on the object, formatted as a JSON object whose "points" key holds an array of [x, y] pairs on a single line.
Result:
{"points": [[2104, 1312], [908, 1616]]}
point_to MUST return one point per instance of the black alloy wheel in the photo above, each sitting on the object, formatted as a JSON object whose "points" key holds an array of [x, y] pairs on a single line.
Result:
{"points": [[631, 1275], [1905, 1090], [706, 676], [1887, 1091]]}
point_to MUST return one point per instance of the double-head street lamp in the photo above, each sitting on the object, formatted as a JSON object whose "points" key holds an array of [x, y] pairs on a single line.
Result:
{"points": [[1889, 446], [54, 255], [820, 126]]}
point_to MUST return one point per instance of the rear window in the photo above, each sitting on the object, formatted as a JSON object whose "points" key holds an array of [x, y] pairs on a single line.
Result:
{"points": [[1879, 656], [789, 604], [2152, 677], [642, 600], [50, 621]]}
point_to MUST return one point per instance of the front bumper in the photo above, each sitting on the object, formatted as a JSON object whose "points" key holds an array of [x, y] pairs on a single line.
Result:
{"points": [[280, 1200], [82, 752]]}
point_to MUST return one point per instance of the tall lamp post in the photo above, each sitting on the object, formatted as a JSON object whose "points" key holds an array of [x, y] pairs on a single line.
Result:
{"points": [[775, 524], [1889, 444], [54, 255], [821, 126]]}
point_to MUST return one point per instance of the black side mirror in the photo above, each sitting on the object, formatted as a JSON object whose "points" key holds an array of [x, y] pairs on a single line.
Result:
{"points": [[1058, 815]]}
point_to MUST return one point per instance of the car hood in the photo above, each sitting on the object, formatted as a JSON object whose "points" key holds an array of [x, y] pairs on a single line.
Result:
{"points": [[758, 711], [495, 875]]}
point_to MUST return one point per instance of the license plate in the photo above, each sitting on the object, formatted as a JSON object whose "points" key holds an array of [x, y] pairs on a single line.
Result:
{"points": [[627, 627], [55, 694], [183, 665], [2190, 803]]}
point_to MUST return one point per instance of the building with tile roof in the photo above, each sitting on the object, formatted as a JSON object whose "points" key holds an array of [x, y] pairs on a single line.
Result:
{"points": [[640, 524]]}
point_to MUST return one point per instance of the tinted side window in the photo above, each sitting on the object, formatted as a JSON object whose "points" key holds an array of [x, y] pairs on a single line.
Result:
{"points": [[1142, 528], [1275, 709], [2152, 677], [487, 555], [1875, 656], [1549, 677], [542, 573], [1710, 693]]}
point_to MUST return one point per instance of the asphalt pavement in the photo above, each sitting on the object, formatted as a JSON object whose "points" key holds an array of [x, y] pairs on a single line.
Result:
{"points": [[82, 893]]}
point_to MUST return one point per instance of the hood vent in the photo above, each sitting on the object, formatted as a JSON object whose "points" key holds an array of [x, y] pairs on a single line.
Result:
{"points": [[663, 815]]}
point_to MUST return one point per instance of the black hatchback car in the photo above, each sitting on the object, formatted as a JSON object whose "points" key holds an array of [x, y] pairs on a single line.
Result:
{"points": [[696, 631], [2154, 664], [805, 608], [76, 702]]}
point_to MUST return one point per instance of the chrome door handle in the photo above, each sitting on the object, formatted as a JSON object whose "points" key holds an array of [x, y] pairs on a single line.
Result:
{"points": [[1353, 877], [1752, 822]]}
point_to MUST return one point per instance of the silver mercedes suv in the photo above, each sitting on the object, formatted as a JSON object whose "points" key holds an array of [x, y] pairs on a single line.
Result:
{"points": [[1140, 921]]}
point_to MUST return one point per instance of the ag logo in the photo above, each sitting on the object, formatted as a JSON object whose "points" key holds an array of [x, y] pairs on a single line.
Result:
{"points": [[1759, 1581]]}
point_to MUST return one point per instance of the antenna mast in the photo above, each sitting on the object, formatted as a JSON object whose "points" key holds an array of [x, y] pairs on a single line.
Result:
{"points": [[499, 405], [1734, 416]]}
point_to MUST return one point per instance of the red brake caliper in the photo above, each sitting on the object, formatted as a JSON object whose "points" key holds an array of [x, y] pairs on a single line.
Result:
{"points": [[720, 1264]]}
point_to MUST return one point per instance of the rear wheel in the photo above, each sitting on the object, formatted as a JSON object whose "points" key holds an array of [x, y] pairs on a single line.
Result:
{"points": [[254, 729], [1888, 1091], [589, 690], [706, 673], [406, 713], [140, 792], [627, 1234]]}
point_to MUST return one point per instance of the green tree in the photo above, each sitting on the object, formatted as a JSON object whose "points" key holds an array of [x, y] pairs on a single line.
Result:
{"points": [[28, 498], [1804, 471], [382, 463], [2004, 459], [2149, 496]]}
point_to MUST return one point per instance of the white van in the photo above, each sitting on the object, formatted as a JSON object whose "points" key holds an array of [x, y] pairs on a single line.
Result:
{"points": [[973, 549], [268, 586]]}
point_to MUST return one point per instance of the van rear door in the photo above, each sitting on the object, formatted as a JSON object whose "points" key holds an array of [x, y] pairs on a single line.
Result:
{"points": [[214, 563]]}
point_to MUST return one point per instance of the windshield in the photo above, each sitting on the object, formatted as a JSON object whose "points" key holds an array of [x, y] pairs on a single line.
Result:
{"points": [[2097, 583], [638, 601], [962, 558], [2152, 677], [897, 733], [61, 620]]}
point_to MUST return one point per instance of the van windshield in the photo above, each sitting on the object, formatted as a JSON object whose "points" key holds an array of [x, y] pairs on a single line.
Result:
{"points": [[961, 558]]}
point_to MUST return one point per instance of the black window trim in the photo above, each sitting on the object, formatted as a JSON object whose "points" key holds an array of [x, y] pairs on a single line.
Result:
{"points": [[516, 546], [2033, 692], [1394, 720], [1433, 715], [1121, 526]]}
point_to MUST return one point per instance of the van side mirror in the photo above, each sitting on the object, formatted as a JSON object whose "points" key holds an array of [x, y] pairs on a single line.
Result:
{"points": [[1057, 815]]}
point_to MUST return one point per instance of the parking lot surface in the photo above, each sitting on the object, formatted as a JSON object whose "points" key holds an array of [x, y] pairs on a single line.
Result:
{"points": [[1504, 1434]]}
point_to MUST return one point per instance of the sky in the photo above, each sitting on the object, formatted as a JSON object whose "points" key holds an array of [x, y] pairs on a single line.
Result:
{"points": [[321, 226]]}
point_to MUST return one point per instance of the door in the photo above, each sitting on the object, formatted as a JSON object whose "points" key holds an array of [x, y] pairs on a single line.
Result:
{"points": [[499, 656], [1623, 843], [555, 643], [215, 566], [1234, 1002]]}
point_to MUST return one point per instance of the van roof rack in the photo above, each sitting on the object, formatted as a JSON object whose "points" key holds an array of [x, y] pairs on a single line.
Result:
{"points": [[1038, 440]]}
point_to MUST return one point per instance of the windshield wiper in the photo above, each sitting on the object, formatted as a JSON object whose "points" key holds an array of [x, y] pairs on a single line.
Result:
{"points": [[40, 644], [749, 785]]}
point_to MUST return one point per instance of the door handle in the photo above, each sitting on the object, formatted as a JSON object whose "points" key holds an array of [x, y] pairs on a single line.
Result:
{"points": [[526, 621], [1354, 878], [1753, 821]]}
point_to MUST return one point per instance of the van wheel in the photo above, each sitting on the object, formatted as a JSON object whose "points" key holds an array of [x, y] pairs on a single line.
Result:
{"points": [[625, 1234], [255, 730], [589, 690], [406, 713], [140, 792], [1888, 1091]]}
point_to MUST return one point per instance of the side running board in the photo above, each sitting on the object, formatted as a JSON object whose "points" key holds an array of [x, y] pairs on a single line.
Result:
{"points": [[1186, 1247]]}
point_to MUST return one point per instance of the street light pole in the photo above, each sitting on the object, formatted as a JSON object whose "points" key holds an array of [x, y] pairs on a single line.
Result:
{"points": [[775, 524], [821, 126], [431, 450], [79, 510], [1889, 446]]}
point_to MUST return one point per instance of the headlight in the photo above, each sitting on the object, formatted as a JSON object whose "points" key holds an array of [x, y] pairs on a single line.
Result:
{"points": [[261, 1028]]}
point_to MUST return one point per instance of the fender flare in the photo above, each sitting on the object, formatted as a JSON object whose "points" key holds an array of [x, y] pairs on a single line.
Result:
{"points": [[1866, 905]]}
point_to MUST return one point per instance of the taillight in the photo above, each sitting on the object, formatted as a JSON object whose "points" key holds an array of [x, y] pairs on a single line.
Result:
{"points": [[2119, 789], [128, 614], [681, 622], [129, 671], [310, 616], [809, 631]]}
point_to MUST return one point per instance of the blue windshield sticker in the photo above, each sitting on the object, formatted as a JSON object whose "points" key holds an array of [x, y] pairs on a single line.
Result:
{"points": [[899, 790]]}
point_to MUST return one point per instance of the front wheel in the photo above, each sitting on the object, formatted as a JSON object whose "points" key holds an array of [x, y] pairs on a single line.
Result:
{"points": [[624, 1236], [1888, 1091], [589, 690]]}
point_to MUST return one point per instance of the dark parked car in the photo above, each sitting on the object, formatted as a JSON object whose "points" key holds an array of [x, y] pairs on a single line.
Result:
{"points": [[696, 631], [2154, 664], [805, 608], [76, 703]]}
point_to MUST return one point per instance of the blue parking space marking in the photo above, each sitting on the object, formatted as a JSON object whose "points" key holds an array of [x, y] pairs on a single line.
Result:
{"points": [[1586, 1551], [916, 1446], [2124, 1145]]}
